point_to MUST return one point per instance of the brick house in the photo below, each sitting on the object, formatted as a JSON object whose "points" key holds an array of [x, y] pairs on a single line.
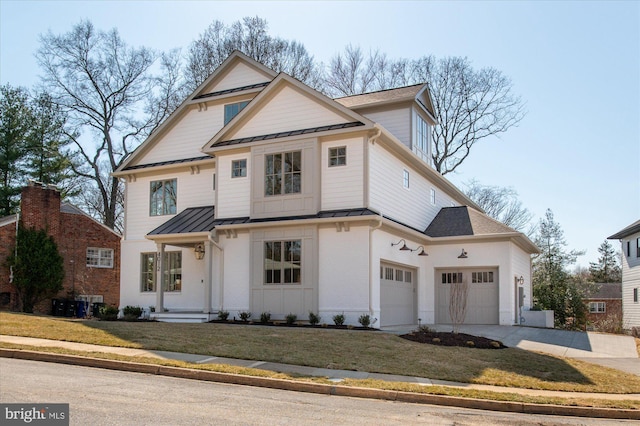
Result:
{"points": [[91, 251], [604, 307]]}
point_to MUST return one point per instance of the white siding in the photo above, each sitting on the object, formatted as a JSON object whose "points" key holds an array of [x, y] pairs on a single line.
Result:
{"points": [[288, 110], [187, 137], [240, 75], [233, 193], [630, 280], [387, 195], [194, 190], [396, 121], [343, 186]]}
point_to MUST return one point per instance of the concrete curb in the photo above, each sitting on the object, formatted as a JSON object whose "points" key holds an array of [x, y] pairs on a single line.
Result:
{"points": [[318, 388]]}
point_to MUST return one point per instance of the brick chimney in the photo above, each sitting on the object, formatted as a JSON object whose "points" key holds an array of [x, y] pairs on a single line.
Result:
{"points": [[40, 208]]}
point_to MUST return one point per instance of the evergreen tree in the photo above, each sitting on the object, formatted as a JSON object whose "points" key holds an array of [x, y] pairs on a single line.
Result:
{"points": [[607, 268], [16, 121], [552, 287], [38, 267]]}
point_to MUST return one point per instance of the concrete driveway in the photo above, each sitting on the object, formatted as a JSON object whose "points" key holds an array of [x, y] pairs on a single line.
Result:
{"points": [[610, 350]]}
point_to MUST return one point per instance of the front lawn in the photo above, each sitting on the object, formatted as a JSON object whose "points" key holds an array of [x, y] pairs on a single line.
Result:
{"points": [[371, 351]]}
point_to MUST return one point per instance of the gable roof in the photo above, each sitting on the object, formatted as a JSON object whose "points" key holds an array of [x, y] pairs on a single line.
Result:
{"points": [[464, 221], [201, 95], [190, 220], [348, 118], [607, 291], [629, 230]]}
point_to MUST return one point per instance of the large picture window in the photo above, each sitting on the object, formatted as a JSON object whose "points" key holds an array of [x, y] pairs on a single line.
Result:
{"points": [[100, 257], [283, 262], [283, 173], [164, 197], [172, 274]]}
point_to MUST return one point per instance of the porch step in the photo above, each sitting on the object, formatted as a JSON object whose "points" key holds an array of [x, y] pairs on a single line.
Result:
{"points": [[183, 317]]}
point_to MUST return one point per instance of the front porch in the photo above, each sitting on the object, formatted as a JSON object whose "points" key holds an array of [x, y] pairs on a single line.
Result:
{"points": [[184, 316]]}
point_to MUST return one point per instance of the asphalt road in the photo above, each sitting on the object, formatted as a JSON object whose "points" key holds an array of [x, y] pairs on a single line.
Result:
{"points": [[104, 397]]}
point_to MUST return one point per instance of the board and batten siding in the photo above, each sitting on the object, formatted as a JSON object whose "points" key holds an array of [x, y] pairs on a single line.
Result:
{"points": [[194, 190], [233, 193], [396, 121], [630, 280], [187, 137], [343, 186], [240, 75], [289, 109], [410, 206]]}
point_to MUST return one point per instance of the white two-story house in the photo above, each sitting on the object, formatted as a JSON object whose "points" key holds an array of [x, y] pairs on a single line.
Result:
{"points": [[630, 240], [261, 194]]}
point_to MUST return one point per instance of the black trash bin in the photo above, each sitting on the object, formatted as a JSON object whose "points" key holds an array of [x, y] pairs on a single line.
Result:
{"points": [[58, 307], [70, 309], [95, 309]]}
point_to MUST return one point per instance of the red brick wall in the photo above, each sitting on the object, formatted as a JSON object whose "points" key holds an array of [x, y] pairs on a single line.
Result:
{"points": [[612, 316], [73, 234], [7, 244]]}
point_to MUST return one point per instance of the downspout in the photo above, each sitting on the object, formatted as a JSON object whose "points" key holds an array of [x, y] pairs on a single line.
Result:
{"points": [[15, 249], [221, 273], [372, 140]]}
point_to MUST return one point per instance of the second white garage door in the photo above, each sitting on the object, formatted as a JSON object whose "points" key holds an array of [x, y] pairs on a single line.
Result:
{"points": [[482, 301], [397, 295]]}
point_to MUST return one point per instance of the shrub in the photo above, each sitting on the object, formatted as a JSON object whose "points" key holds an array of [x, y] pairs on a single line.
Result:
{"points": [[131, 313], [314, 319], [245, 316], [338, 319], [109, 313], [265, 317], [291, 319], [223, 315], [365, 320]]}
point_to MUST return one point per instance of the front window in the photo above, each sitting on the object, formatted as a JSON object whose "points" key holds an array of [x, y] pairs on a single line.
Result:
{"points": [[283, 173], [421, 143], [164, 197], [597, 307], [239, 168], [637, 247], [232, 110], [99, 257], [172, 274], [338, 156], [283, 262], [432, 196], [405, 179]]}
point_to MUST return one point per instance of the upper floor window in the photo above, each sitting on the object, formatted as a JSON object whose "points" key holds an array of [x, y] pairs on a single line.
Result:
{"points": [[628, 248], [432, 196], [421, 142], [239, 168], [405, 178], [283, 262], [637, 247], [164, 197], [338, 156], [172, 274], [283, 173], [232, 110], [100, 257], [597, 307]]}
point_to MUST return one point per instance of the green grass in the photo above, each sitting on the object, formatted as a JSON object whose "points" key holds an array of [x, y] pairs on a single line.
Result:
{"points": [[370, 351]]}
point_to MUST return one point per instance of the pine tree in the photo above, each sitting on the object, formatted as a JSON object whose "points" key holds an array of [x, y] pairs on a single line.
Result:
{"points": [[607, 268]]}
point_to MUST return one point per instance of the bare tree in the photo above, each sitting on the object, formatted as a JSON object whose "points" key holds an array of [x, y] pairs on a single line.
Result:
{"points": [[502, 204], [459, 294], [110, 96], [469, 104], [251, 37]]}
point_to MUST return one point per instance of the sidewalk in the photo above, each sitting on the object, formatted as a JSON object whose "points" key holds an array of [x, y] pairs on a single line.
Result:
{"points": [[335, 376]]}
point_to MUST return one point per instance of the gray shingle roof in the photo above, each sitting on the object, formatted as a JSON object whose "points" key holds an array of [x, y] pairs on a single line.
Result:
{"points": [[607, 291], [463, 220], [389, 95], [631, 229]]}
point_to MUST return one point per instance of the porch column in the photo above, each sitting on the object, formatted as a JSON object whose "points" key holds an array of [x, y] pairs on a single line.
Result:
{"points": [[208, 263], [159, 275]]}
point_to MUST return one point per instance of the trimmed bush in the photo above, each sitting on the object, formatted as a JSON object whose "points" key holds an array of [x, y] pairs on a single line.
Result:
{"points": [[313, 318], [338, 319]]}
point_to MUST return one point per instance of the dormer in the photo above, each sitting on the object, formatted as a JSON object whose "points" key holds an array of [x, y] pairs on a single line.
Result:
{"points": [[406, 112]]}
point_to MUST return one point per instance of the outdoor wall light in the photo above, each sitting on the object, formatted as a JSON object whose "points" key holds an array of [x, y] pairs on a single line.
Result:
{"points": [[520, 281], [463, 255], [404, 245], [422, 253], [199, 251]]}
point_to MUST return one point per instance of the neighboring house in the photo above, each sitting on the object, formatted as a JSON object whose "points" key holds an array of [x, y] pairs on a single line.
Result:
{"points": [[261, 194], [630, 239], [90, 250], [604, 307]]}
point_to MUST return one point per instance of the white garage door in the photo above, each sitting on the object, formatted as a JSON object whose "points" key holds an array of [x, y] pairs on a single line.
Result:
{"points": [[397, 295], [482, 301]]}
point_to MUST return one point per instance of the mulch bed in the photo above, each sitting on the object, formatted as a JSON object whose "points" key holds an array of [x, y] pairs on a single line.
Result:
{"points": [[451, 339]]}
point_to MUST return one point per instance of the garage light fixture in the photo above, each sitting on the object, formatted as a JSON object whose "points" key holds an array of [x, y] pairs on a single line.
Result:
{"points": [[404, 245], [422, 253], [520, 281], [199, 251], [463, 255]]}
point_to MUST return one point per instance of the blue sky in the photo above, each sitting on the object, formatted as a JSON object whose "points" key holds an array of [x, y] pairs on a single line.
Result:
{"points": [[576, 65]]}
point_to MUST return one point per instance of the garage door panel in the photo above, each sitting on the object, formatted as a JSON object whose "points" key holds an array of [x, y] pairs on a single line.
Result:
{"points": [[397, 296], [482, 299]]}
